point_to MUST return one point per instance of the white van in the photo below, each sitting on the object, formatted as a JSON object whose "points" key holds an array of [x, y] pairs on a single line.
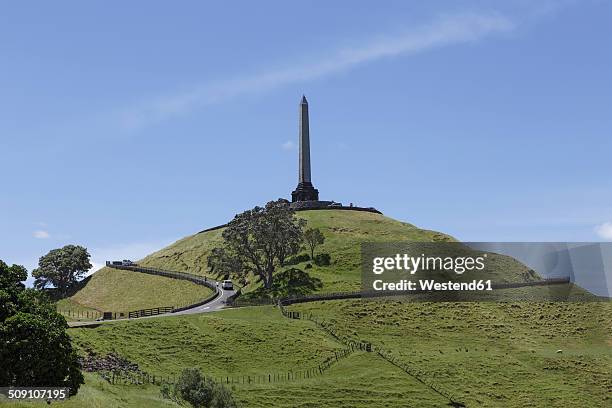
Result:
{"points": [[227, 285]]}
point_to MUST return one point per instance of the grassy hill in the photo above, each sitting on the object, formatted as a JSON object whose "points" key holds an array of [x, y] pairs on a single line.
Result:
{"points": [[490, 354], [344, 233], [487, 354], [121, 291]]}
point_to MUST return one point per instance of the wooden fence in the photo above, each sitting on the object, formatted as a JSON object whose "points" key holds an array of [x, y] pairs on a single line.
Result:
{"points": [[353, 345], [81, 314], [150, 312], [286, 301]]}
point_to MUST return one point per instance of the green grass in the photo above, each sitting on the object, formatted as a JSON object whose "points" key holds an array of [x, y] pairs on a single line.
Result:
{"points": [[490, 354], [361, 380], [344, 233], [258, 341], [487, 354], [121, 291], [74, 311], [251, 341]]}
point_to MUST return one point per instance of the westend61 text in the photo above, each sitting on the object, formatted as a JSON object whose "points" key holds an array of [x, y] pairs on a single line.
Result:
{"points": [[430, 284]]}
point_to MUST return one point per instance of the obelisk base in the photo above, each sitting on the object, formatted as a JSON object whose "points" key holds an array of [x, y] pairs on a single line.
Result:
{"points": [[305, 191]]}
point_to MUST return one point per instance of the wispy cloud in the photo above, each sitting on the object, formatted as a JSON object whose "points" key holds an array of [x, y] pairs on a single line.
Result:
{"points": [[604, 231], [288, 145], [41, 234], [443, 31]]}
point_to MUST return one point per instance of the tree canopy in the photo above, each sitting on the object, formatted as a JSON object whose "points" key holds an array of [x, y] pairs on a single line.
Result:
{"points": [[258, 240], [313, 237], [35, 348], [62, 268]]}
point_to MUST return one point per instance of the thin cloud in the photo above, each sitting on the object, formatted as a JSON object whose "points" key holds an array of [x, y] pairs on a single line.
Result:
{"points": [[444, 31], [41, 234], [288, 145], [604, 231]]}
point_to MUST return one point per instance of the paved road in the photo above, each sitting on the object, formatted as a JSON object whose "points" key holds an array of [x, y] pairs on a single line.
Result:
{"points": [[216, 304]]}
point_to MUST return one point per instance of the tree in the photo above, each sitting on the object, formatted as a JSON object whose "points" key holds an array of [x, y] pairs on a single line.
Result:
{"points": [[313, 237], [62, 268], [257, 240], [35, 348], [198, 391]]}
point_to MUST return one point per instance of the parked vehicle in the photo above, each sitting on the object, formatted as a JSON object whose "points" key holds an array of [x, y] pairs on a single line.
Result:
{"points": [[227, 285], [125, 262]]}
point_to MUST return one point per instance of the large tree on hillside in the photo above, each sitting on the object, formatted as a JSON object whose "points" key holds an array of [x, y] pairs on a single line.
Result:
{"points": [[35, 349], [62, 267], [258, 240]]}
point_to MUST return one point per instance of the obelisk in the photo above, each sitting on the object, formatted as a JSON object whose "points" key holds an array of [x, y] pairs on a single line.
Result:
{"points": [[305, 191]]}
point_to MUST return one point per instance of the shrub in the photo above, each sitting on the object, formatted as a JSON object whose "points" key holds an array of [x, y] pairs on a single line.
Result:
{"points": [[198, 391], [308, 266], [322, 260], [35, 348], [294, 260]]}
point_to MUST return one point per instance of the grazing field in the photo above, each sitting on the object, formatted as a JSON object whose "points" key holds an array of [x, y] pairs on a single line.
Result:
{"points": [[253, 342], [249, 341], [490, 354], [121, 291], [485, 354]]}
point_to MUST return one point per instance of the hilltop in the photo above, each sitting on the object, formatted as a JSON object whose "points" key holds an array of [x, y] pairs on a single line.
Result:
{"points": [[344, 233]]}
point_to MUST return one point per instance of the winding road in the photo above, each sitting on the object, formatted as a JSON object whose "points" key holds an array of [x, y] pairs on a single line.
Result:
{"points": [[214, 304]]}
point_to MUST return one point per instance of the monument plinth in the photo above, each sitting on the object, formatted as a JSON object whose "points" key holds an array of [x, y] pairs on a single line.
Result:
{"points": [[304, 191]]}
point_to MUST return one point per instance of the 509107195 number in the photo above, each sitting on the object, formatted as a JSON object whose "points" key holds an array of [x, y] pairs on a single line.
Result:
{"points": [[44, 393]]}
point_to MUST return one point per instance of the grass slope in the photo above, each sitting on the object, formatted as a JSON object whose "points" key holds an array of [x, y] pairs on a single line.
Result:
{"points": [[490, 354], [232, 342], [256, 341], [344, 233], [119, 291]]}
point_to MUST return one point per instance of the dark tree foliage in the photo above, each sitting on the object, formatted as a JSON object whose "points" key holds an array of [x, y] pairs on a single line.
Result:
{"points": [[198, 391], [258, 240], [62, 268], [322, 260], [35, 349], [297, 259], [313, 237], [292, 282]]}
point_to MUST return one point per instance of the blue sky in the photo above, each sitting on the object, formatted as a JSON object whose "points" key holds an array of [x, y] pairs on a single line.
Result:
{"points": [[124, 127]]}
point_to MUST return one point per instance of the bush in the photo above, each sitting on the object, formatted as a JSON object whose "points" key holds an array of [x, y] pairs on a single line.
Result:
{"points": [[322, 260], [308, 266], [198, 391], [35, 348], [294, 260]]}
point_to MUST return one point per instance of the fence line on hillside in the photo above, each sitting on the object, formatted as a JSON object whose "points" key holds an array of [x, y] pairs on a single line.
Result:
{"points": [[418, 375], [376, 294], [81, 314]]}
